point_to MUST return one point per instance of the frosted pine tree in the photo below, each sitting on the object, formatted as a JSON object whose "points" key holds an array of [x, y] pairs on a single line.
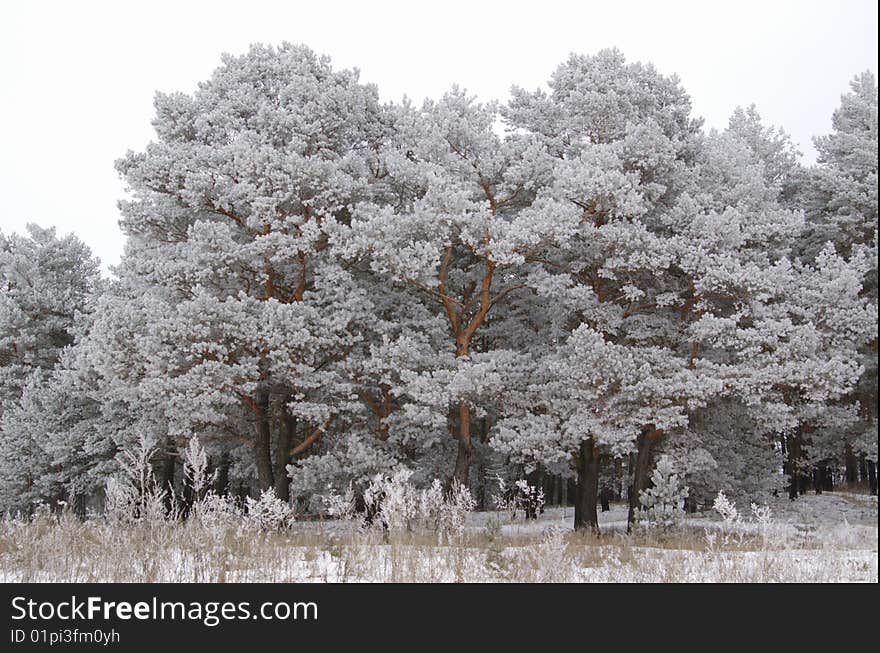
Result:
{"points": [[250, 310], [457, 224], [840, 196], [47, 288]]}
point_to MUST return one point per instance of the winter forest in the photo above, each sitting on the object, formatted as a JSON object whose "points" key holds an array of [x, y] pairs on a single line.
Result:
{"points": [[571, 334]]}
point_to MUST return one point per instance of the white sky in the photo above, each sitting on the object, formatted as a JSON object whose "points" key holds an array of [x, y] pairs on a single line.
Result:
{"points": [[77, 78]]}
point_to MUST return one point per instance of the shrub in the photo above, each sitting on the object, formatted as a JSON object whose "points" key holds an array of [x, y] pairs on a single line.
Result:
{"points": [[268, 513], [664, 501]]}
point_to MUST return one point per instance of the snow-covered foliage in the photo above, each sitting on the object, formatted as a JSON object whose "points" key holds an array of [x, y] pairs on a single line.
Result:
{"points": [[392, 503], [47, 286], [522, 497], [725, 508], [268, 512], [195, 470], [134, 496], [664, 500], [401, 507], [332, 305]]}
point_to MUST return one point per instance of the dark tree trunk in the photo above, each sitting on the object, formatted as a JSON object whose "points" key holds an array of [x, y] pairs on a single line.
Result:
{"points": [[863, 468], [283, 445], [221, 480], [852, 474], [605, 499], [548, 484], [829, 478], [819, 478], [187, 500], [641, 471], [792, 465], [587, 487], [872, 477], [79, 505], [242, 491], [618, 478], [263, 441], [805, 481]]}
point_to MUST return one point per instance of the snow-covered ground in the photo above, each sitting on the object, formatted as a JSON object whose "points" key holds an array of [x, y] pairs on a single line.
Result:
{"points": [[826, 538]]}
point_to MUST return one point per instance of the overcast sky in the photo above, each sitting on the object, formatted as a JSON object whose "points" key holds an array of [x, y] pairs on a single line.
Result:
{"points": [[78, 77]]}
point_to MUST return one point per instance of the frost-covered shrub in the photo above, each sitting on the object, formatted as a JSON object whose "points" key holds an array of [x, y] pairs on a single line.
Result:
{"points": [[726, 508], [393, 500], [664, 501], [268, 513], [217, 513], [461, 502], [213, 512], [446, 512], [400, 506], [762, 514], [195, 469], [135, 496], [339, 506], [734, 528], [521, 496], [551, 562]]}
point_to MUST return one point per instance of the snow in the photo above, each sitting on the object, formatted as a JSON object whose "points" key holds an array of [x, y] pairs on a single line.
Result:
{"points": [[826, 538]]}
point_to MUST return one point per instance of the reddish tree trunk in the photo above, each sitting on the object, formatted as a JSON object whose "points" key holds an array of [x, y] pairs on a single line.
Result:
{"points": [[465, 445]]}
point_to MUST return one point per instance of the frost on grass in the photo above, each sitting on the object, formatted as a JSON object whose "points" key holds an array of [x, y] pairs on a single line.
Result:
{"points": [[221, 546], [393, 503]]}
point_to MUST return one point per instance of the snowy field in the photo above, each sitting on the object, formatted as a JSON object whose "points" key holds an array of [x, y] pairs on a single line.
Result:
{"points": [[826, 538]]}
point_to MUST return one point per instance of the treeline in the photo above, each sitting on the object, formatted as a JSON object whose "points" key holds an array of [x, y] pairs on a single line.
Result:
{"points": [[568, 287]]}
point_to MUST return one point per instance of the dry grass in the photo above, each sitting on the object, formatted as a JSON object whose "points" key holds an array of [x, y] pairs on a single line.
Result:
{"points": [[64, 549]]}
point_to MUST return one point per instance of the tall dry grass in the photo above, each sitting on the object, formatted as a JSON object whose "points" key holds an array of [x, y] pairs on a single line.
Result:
{"points": [[62, 548]]}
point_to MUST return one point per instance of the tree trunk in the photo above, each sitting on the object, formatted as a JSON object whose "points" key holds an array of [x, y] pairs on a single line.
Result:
{"points": [[263, 441], [283, 445], [641, 472], [851, 470], [829, 478], [605, 499], [792, 465], [465, 445], [587, 489], [221, 480], [819, 478], [872, 477], [618, 478]]}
